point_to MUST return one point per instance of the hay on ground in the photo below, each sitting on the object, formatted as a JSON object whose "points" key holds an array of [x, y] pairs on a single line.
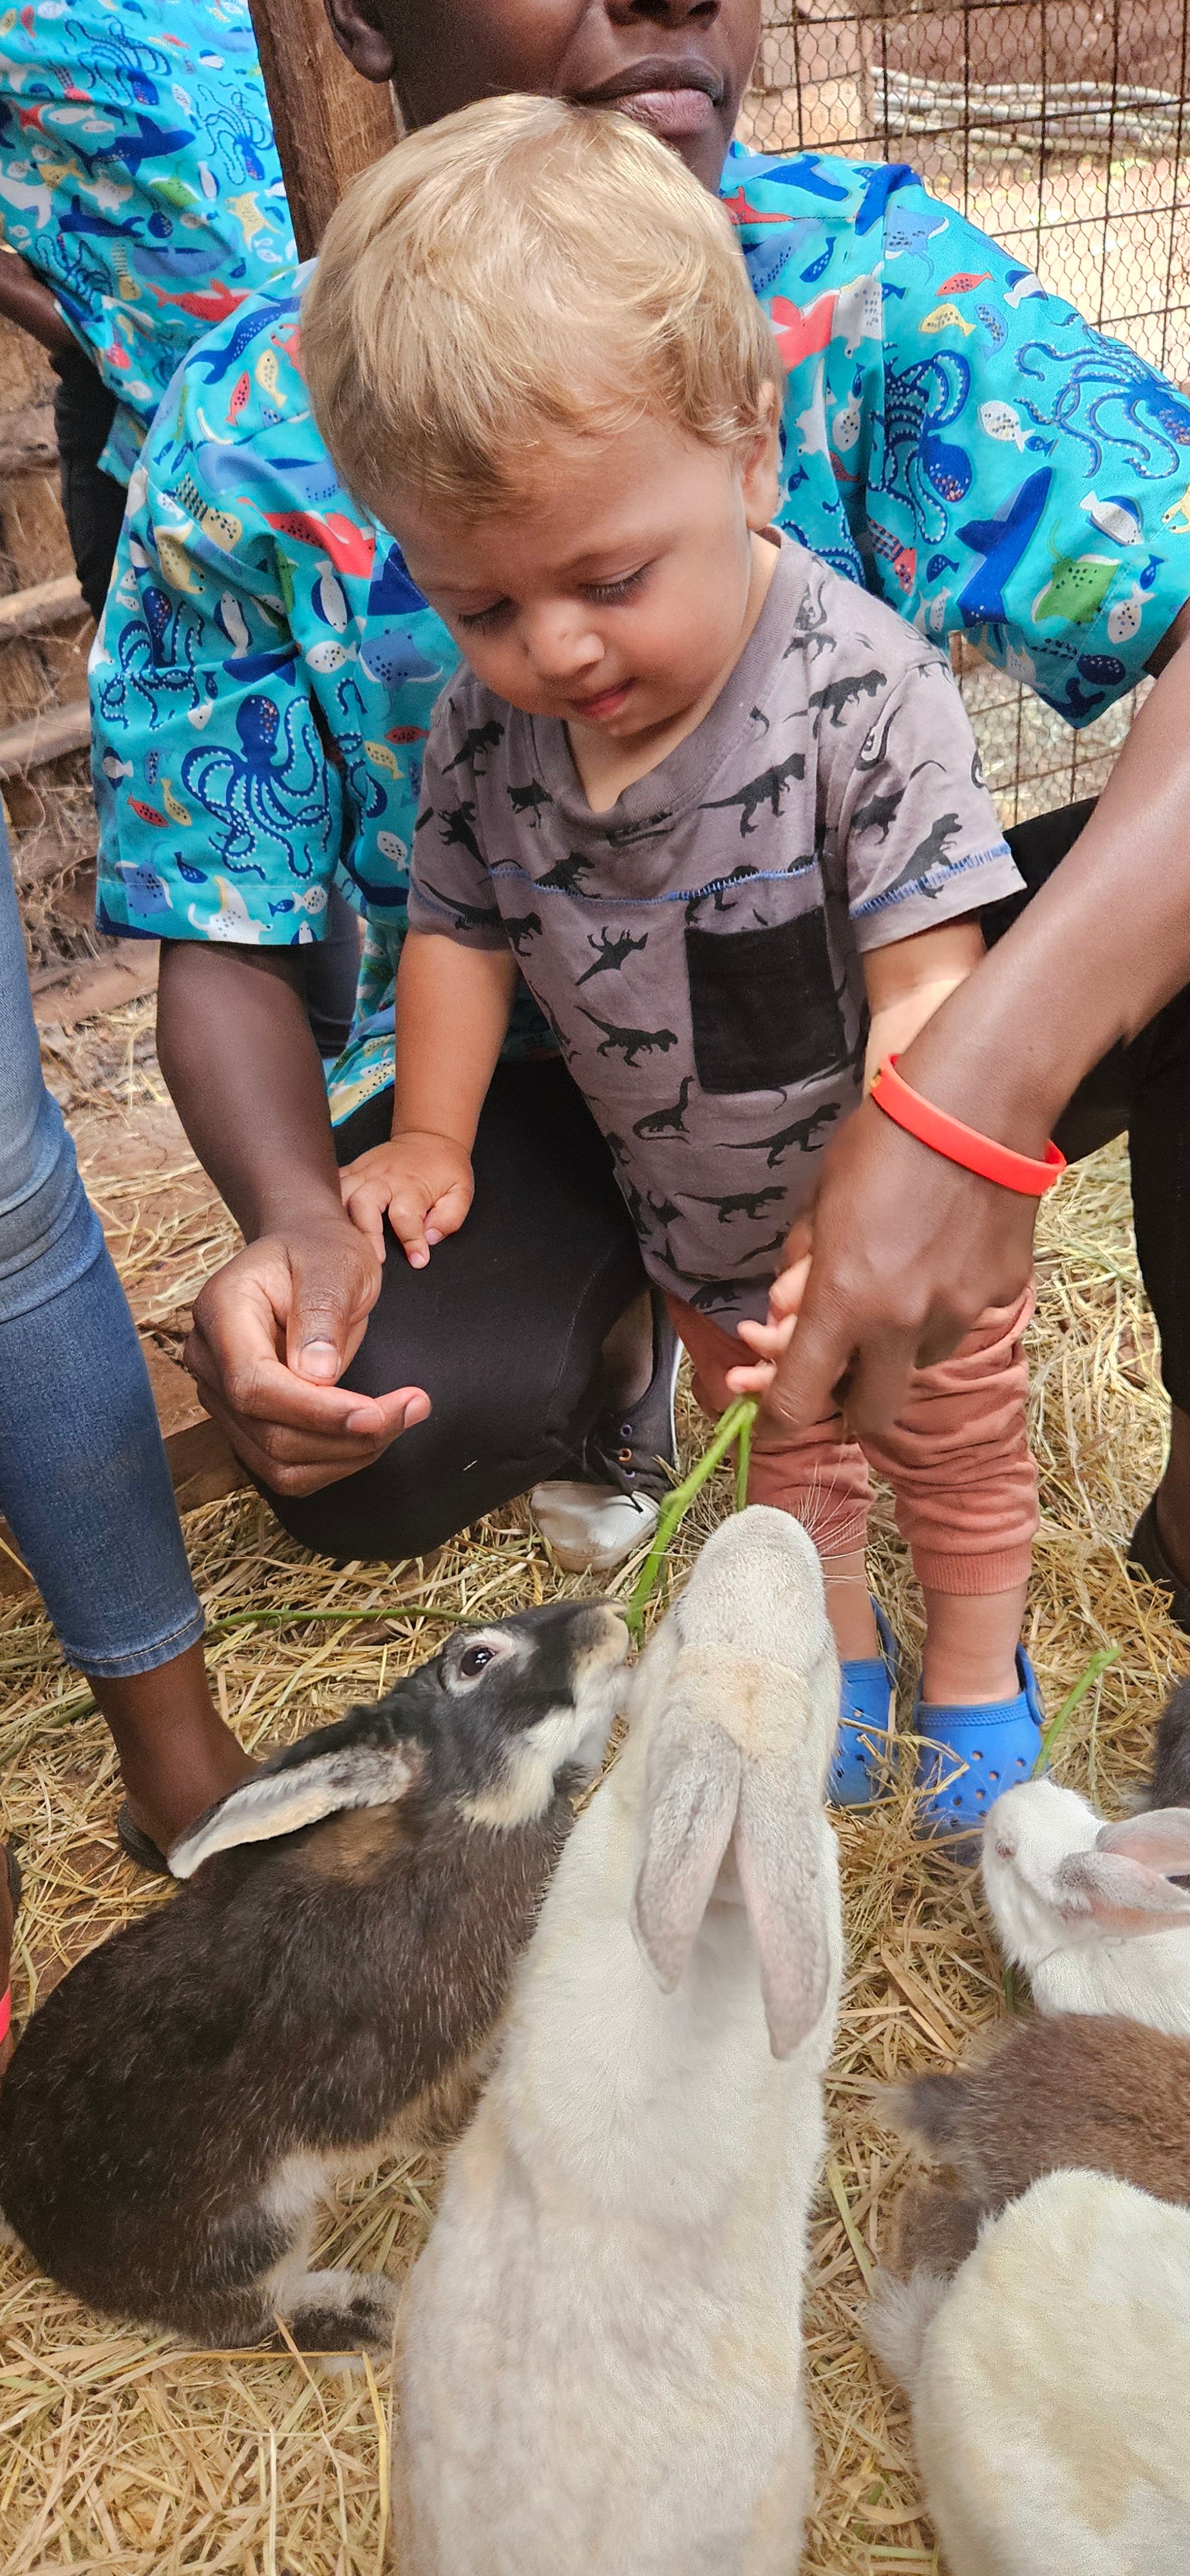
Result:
{"points": [[129, 2455]]}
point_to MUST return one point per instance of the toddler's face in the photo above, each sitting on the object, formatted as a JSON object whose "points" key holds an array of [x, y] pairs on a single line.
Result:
{"points": [[681, 65], [616, 596]]}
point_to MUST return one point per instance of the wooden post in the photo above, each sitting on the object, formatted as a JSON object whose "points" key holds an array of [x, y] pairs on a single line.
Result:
{"points": [[329, 123]]}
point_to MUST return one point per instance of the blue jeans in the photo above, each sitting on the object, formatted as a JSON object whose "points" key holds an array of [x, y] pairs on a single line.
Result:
{"points": [[83, 1474]]}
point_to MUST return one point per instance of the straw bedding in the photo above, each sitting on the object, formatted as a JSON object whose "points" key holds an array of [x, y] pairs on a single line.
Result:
{"points": [[122, 2454]]}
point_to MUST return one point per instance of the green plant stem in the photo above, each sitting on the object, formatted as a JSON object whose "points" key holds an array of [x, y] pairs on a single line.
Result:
{"points": [[1099, 1662], [729, 1427], [743, 1460]]}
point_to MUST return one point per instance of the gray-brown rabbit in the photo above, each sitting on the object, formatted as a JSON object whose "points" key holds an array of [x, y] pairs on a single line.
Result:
{"points": [[1061, 2090], [322, 1991]]}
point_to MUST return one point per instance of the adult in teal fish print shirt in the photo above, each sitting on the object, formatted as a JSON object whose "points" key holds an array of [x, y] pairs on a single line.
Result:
{"points": [[141, 189], [957, 440]]}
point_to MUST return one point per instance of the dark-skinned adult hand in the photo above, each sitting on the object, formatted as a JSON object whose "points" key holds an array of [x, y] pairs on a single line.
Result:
{"points": [[276, 1327], [273, 1332], [895, 1292]]}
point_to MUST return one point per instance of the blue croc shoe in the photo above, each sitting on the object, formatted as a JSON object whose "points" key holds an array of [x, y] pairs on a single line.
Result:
{"points": [[860, 1761], [970, 1756]]}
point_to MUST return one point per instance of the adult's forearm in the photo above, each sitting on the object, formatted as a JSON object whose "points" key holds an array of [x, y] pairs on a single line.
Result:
{"points": [[1093, 957], [235, 1047]]}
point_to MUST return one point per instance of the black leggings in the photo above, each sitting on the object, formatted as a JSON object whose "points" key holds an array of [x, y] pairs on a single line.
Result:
{"points": [[504, 1328]]}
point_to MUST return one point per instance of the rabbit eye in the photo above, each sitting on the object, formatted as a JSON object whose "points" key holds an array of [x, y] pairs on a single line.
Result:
{"points": [[1005, 1851], [473, 1660]]}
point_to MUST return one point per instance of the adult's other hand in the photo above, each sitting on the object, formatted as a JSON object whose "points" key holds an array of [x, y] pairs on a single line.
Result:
{"points": [[273, 1332]]}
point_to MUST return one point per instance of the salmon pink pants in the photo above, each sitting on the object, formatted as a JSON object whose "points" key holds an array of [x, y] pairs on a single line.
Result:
{"points": [[957, 1460]]}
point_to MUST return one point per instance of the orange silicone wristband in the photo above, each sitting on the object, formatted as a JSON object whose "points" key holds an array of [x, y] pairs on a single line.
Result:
{"points": [[948, 1136]]}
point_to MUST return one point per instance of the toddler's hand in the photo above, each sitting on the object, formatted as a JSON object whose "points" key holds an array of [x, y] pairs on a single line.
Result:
{"points": [[769, 1339], [422, 1182]]}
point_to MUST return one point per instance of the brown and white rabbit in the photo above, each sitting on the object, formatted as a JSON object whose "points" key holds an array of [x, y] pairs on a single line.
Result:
{"points": [[322, 1991], [1059, 2091], [602, 2367]]}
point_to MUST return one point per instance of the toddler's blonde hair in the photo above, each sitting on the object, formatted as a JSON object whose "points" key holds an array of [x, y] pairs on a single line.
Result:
{"points": [[523, 272]]}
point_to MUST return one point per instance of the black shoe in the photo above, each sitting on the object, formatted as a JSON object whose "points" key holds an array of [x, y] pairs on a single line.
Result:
{"points": [[635, 1447], [608, 1506], [1146, 1555]]}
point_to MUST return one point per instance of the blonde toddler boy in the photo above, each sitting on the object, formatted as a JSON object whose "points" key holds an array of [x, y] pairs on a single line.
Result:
{"points": [[718, 807]]}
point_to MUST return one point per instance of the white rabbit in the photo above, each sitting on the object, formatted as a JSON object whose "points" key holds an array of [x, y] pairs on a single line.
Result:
{"points": [[1050, 2385], [1087, 1908], [602, 2365]]}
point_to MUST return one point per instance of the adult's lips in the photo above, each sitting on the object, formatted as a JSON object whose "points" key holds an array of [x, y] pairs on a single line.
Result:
{"points": [[674, 95]]}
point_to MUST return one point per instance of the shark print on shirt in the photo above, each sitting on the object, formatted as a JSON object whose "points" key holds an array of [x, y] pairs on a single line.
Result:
{"points": [[957, 443]]}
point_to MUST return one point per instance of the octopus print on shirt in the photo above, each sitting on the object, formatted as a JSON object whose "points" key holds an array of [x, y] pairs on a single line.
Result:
{"points": [[956, 441], [697, 949]]}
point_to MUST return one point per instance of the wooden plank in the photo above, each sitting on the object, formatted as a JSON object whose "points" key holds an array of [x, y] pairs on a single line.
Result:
{"points": [[47, 737], [329, 123], [201, 1461], [62, 996], [46, 605], [28, 440]]}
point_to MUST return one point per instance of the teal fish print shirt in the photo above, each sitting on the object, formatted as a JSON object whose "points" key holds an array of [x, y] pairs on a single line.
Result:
{"points": [[139, 177], [956, 440]]}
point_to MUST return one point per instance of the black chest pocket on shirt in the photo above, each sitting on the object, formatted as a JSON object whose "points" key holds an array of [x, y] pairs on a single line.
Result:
{"points": [[763, 1006]]}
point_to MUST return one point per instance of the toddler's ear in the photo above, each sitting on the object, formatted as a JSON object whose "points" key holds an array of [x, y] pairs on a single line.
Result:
{"points": [[760, 467]]}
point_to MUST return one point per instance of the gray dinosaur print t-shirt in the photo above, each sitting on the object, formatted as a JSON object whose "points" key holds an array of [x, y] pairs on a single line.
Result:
{"points": [[697, 948]]}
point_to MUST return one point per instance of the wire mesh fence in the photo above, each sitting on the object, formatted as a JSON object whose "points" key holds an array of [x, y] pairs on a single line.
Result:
{"points": [[1063, 128]]}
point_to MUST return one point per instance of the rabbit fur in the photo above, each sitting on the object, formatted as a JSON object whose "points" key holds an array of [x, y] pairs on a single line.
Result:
{"points": [[320, 1992], [1170, 1783], [1071, 2089], [1087, 1908], [1050, 2385], [602, 2363]]}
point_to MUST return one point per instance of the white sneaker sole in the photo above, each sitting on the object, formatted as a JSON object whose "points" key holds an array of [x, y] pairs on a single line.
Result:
{"points": [[592, 1528]]}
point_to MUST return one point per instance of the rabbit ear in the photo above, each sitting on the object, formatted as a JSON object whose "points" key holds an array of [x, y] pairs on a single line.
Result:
{"points": [[692, 1791], [282, 1801], [1159, 1839], [778, 1850], [1118, 1894]]}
